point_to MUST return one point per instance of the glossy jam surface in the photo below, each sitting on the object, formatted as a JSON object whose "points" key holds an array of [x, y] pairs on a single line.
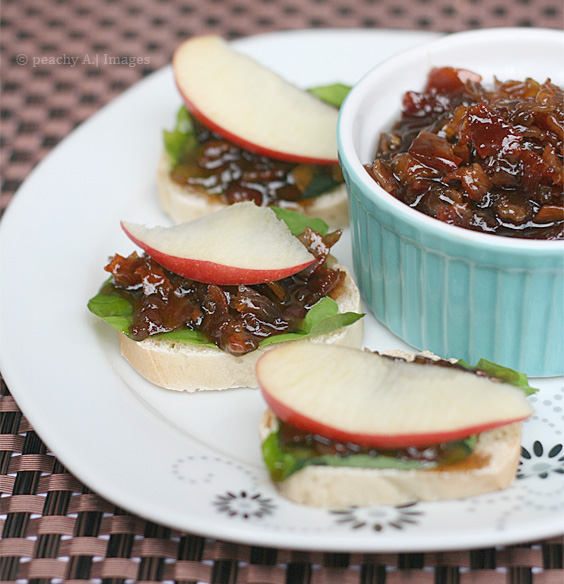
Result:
{"points": [[219, 167], [486, 160], [234, 318]]}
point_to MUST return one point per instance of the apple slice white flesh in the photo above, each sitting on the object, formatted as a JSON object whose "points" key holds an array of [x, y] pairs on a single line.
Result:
{"points": [[240, 244], [252, 106], [354, 396]]}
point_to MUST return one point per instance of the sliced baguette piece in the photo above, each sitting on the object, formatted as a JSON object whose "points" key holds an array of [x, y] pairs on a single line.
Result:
{"points": [[185, 367], [184, 203], [491, 466]]}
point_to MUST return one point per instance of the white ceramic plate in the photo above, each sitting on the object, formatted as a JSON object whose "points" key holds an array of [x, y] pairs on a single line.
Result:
{"points": [[193, 461]]}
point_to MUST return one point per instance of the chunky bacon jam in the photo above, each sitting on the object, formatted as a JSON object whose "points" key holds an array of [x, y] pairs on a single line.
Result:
{"points": [[219, 167], [490, 161], [235, 318]]}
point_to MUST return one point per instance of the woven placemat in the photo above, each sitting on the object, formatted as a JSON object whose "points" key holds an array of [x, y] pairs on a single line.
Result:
{"points": [[53, 528]]}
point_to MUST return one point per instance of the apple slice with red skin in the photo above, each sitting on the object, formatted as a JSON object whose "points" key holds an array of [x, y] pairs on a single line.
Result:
{"points": [[240, 244], [349, 395], [252, 106]]}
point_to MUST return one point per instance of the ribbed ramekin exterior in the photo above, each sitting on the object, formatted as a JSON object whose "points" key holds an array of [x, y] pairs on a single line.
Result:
{"points": [[449, 290], [456, 302]]}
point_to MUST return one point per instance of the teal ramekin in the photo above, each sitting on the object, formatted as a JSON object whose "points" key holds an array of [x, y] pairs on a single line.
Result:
{"points": [[441, 288]]}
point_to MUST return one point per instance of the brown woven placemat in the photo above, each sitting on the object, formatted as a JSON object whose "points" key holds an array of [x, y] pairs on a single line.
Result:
{"points": [[53, 528]]}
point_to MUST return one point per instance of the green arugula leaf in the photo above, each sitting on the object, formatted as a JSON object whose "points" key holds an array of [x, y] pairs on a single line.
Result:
{"points": [[297, 222], [182, 139], [321, 319], [332, 94], [507, 375], [279, 464], [367, 461], [115, 310]]}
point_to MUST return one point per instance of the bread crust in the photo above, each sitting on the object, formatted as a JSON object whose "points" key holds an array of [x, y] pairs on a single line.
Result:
{"points": [[186, 367], [491, 466], [183, 203]]}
